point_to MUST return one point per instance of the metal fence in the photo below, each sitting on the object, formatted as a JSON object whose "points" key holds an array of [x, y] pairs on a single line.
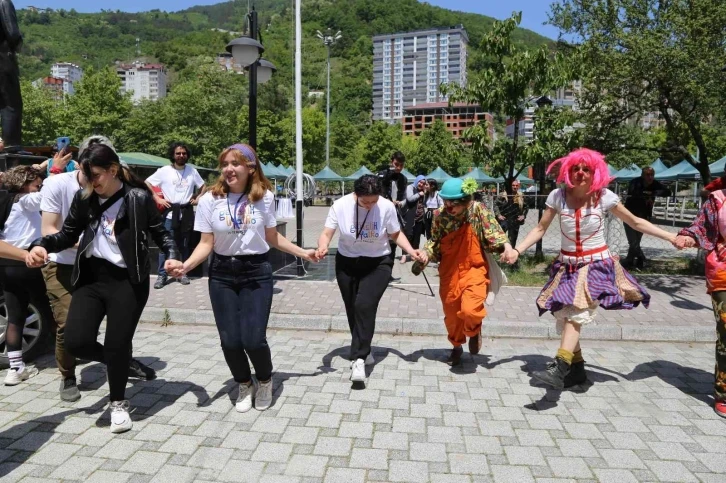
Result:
{"points": [[670, 214]]}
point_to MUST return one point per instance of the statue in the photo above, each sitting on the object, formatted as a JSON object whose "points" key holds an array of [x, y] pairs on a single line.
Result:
{"points": [[11, 101]]}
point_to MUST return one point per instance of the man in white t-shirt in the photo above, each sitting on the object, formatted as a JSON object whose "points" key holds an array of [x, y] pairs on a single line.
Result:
{"points": [[177, 183], [58, 192]]}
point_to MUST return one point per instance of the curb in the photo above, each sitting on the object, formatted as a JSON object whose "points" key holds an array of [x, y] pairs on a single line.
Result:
{"points": [[490, 328]]}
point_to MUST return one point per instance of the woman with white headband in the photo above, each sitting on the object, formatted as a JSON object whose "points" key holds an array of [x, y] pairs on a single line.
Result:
{"points": [[237, 221]]}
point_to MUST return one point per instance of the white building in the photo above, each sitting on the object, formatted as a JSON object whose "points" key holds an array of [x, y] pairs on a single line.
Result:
{"points": [[144, 81], [70, 73], [409, 67]]}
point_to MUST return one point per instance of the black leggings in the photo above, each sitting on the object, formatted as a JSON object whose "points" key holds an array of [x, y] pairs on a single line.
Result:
{"points": [[21, 286], [362, 282], [106, 291]]}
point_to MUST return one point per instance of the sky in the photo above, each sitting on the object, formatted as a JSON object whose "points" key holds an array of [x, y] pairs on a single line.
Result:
{"points": [[533, 16]]}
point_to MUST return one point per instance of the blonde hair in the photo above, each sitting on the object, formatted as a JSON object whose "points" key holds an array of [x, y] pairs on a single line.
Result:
{"points": [[257, 183]]}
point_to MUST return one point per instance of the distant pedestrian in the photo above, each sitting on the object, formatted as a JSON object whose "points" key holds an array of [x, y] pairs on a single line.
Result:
{"points": [[20, 225], [414, 212], [178, 183], [640, 199], [238, 226], [434, 203], [367, 223], [110, 277], [511, 211], [585, 275], [394, 189]]}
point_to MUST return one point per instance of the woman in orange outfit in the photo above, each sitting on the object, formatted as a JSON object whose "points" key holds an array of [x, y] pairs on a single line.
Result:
{"points": [[460, 235]]}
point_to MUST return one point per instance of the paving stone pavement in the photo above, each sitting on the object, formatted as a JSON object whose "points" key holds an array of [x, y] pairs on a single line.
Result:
{"points": [[646, 416]]}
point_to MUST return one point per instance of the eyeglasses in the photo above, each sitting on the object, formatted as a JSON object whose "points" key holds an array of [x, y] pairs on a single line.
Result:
{"points": [[453, 202]]}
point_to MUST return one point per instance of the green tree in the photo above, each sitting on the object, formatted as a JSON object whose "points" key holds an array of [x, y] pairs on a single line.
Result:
{"points": [[650, 56], [509, 79], [97, 107], [40, 115], [375, 149], [437, 147]]}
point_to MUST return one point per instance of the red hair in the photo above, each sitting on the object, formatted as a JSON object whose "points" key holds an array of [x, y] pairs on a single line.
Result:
{"points": [[592, 159]]}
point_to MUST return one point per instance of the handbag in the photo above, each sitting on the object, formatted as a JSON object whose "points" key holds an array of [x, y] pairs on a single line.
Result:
{"points": [[497, 278], [157, 191]]}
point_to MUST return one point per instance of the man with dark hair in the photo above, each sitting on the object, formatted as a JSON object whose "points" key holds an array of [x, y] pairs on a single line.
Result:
{"points": [[394, 188], [11, 102], [642, 192], [174, 188]]}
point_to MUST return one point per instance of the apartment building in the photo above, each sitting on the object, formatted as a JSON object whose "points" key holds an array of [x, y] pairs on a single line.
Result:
{"points": [[70, 73], [52, 84], [457, 118], [144, 81], [409, 67]]}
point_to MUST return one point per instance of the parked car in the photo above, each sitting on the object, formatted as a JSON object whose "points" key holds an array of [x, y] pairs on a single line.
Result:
{"points": [[36, 334]]}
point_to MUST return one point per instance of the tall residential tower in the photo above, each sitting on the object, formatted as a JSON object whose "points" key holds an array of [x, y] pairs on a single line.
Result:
{"points": [[409, 67]]}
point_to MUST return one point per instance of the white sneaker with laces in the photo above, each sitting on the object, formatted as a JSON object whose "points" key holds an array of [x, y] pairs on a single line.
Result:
{"points": [[358, 371], [244, 399], [13, 377], [263, 400], [120, 417]]}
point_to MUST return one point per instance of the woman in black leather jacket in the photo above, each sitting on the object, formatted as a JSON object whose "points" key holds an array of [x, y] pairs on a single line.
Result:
{"points": [[111, 272]]}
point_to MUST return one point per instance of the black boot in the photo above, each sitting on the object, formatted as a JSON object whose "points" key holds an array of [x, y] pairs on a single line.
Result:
{"points": [[455, 356], [577, 374], [555, 374]]}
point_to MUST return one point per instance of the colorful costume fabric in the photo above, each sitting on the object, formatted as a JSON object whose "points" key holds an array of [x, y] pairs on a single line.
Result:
{"points": [[585, 275], [709, 231], [458, 244]]}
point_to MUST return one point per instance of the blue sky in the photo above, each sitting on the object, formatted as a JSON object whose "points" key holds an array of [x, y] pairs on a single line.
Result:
{"points": [[534, 11]]}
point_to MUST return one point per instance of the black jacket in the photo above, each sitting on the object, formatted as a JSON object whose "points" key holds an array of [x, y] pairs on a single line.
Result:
{"points": [[640, 198], [137, 215], [388, 179], [10, 37]]}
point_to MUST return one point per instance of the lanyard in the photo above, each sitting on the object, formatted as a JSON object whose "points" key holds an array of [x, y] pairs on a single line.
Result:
{"points": [[234, 215], [359, 229], [182, 174]]}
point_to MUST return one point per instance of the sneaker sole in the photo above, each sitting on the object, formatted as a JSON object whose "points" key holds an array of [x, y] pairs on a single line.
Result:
{"points": [[243, 409], [121, 429], [73, 398], [548, 383], [32, 372]]}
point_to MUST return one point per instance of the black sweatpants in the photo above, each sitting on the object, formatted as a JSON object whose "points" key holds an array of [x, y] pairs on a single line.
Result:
{"points": [[106, 291], [362, 281], [22, 285]]}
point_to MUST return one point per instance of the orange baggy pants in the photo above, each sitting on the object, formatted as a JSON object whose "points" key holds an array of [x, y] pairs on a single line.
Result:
{"points": [[464, 283]]}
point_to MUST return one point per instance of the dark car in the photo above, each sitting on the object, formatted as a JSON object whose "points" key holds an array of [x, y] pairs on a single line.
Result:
{"points": [[36, 334]]}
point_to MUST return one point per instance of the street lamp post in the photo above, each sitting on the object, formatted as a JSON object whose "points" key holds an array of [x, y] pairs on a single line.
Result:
{"points": [[542, 178], [247, 52], [328, 40]]}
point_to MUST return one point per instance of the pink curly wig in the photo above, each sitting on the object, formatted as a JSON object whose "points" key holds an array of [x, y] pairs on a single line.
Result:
{"points": [[592, 159]]}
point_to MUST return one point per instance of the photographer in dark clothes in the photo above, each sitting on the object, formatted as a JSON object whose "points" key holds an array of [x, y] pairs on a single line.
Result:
{"points": [[394, 189], [641, 197]]}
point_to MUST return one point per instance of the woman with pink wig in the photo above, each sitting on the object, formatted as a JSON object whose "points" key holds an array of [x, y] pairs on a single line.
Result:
{"points": [[584, 275]]}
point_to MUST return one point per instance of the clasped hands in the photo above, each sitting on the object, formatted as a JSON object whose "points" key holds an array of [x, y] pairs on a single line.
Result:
{"points": [[681, 242], [509, 255]]}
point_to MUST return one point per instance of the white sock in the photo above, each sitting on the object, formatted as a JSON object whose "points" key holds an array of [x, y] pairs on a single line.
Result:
{"points": [[16, 360]]}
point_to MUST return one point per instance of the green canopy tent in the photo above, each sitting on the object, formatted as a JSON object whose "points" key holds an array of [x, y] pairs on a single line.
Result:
{"points": [[717, 168], [409, 177], [479, 176], [327, 175], [627, 173], [362, 171], [658, 166], [612, 170], [438, 174], [150, 161]]}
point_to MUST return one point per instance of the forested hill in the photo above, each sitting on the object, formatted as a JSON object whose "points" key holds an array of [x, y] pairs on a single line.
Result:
{"points": [[99, 39]]}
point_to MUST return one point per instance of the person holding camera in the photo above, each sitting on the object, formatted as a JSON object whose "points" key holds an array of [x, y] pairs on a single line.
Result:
{"points": [[433, 202], [415, 209], [393, 184], [511, 212]]}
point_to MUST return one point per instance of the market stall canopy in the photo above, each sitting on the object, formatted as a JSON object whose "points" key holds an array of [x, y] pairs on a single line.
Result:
{"points": [[718, 168], [150, 161], [479, 176], [628, 173], [438, 174], [327, 174], [681, 171], [612, 170], [273, 172], [409, 177], [361, 172], [658, 166]]}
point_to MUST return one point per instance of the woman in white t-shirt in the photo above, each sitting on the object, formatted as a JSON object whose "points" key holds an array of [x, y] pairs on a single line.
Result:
{"points": [[585, 275], [366, 222], [434, 202], [237, 222], [21, 285]]}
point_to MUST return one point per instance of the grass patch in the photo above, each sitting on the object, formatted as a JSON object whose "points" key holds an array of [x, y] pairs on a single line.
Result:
{"points": [[533, 273]]}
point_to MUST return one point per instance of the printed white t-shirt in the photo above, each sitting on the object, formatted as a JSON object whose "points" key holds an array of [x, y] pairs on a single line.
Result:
{"points": [[237, 224], [176, 185], [104, 243], [58, 193], [363, 233], [23, 224]]}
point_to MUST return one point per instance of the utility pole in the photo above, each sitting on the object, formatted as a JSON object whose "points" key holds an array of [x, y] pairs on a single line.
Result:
{"points": [[328, 40]]}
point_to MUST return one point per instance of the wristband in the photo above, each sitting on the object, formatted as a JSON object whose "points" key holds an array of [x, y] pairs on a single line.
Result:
{"points": [[518, 252], [55, 170]]}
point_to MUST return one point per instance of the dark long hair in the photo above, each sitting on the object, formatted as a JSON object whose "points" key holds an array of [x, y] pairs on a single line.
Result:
{"points": [[172, 149], [102, 156]]}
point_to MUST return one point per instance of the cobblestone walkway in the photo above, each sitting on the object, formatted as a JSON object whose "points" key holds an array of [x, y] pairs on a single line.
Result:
{"points": [[646, 416]]}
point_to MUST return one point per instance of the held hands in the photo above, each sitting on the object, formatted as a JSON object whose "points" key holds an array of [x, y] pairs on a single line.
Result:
{"points": [[681, 242], [420, 256], [36, 258], [321, 252], [175, 268], [509, 256], [310, 255]]}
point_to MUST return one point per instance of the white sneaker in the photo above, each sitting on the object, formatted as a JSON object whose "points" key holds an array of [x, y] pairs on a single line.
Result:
{"points": [[358, 371], [263, 399], [244, 400], [120, 417], [370, 360], [13, 377]]}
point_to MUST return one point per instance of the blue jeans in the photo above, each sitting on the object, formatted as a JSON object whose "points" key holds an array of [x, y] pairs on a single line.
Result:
{"points": [[241, 293], [182, 243]]}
